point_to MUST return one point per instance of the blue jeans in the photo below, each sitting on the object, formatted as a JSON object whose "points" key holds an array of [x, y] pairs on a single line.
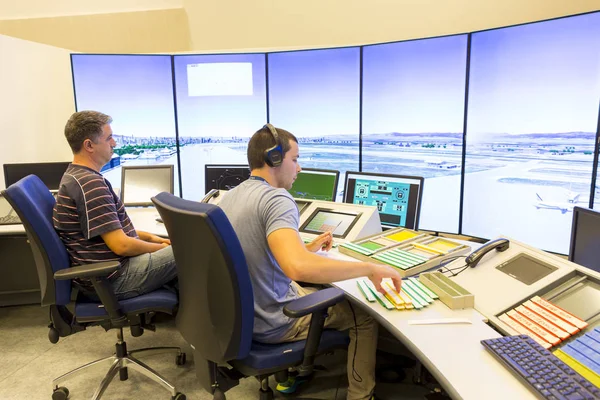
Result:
{"points": [[145, 273]]}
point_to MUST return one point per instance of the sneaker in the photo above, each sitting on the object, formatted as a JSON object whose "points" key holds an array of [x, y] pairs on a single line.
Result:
{"points": [[292, 384]]}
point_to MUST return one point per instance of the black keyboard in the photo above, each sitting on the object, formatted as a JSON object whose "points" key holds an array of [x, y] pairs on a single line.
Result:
{"points": [[9, 219], [547, 375]]}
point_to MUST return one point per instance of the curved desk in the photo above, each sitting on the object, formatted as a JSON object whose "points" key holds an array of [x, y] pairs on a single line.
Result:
{"points": [[452, 353]]}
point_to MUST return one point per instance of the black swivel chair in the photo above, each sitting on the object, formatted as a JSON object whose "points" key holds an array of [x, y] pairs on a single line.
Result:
{"points": [[33, 202], [216, 303]]}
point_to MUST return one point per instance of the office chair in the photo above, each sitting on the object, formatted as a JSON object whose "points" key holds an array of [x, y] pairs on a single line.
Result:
{"points": [[33, 202], [216, 304]]}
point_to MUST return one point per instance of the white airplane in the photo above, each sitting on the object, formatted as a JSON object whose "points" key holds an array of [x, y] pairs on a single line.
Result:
{"points": [[554, 205]]}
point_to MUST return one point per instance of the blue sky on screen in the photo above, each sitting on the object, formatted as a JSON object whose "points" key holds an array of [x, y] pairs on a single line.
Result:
{"points": [[137, 91], [415, 86], [536, 78], [315, 93], [202, 116]]}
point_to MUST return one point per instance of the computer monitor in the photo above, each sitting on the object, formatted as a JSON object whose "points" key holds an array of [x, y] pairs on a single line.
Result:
{"points": [[397, 197], [224, 176], [139, 183], [315, 184], [339, 223], [585, 238], [49, 172]]}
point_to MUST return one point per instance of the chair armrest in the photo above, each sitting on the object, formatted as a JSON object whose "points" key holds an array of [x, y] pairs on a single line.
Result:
{"points": [[87, 271], [316, 301]]}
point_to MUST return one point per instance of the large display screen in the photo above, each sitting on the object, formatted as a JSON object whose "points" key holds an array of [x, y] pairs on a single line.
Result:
{"points": [[413, 118], [534, 92], [221, 102], [315, 95], [137, 92]]}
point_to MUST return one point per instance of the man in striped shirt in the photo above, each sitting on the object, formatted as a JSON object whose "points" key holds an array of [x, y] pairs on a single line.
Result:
{"points": [[91, 219]]}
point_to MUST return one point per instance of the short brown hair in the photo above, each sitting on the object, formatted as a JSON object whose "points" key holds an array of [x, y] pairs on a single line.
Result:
{"points": [[84, 125], [262, 140]]}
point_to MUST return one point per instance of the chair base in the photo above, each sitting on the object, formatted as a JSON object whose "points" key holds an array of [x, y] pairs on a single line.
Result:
{"points": [[120, 363]]}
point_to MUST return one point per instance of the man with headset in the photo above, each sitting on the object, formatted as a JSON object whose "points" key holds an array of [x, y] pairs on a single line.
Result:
{"points": [[265, 217]]}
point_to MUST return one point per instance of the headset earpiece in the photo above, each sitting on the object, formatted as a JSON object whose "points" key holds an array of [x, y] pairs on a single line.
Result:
{"points": [[273, 155]]}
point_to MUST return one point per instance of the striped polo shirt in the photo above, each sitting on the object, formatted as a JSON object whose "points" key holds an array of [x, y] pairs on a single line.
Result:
{"points": [[86, 208]]}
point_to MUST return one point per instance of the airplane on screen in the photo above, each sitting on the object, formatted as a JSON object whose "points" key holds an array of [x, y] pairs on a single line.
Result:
{"points": [[555, 205]]}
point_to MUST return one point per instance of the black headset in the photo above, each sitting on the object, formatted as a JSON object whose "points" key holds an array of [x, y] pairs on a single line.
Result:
{"points": [[273, 155]]}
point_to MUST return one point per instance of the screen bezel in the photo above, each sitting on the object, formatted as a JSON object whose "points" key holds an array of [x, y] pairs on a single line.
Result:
{"points": [[124, 169], [374, 174], [327, 171], [356, 216], [211, 166]]}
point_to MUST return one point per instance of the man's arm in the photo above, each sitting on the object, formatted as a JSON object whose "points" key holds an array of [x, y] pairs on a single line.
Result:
{"points": [[122, 245], [149, 237], [299, 264]]}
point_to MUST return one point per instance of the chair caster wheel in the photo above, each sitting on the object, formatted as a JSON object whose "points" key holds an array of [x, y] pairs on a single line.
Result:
{"points": [[180, 359], [60, 393], [179, 396], [218, 394], [53, 335]]}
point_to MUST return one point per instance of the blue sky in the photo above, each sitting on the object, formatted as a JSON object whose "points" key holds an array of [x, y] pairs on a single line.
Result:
{"points": [[415, 86], [137, 91], [315, 93], [536, 78], [239, 116]]}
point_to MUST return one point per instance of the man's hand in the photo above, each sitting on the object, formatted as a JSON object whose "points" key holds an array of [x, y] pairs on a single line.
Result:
{"points": [[157, 239], [322, 242], [380, 271]]}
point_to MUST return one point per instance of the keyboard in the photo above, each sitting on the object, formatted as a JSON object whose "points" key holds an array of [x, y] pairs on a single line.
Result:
{"points": [[548, 376], [9, 219]]}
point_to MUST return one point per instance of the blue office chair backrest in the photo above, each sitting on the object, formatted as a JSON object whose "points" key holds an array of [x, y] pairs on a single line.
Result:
{"points": [[33, 202], [216, 303]]}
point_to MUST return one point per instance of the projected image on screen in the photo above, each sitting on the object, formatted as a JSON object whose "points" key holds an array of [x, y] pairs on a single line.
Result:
{"points": [[315, 95], [397, 198], [533, 116], [315, 184], [220, 79], [221, 102], [323, 220], [413, 118], [225, 177], [137, 92]]}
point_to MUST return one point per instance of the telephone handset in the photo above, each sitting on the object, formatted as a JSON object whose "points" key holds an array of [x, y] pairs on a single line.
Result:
{"points": [[477, 255]]}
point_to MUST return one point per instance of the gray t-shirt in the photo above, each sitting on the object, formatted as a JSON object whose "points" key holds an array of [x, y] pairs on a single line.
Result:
{"points": [[255, 210]]}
